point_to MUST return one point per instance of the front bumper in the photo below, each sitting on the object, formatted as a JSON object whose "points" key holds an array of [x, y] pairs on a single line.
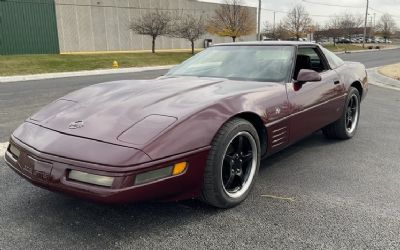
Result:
{"points": [[51, 172]]}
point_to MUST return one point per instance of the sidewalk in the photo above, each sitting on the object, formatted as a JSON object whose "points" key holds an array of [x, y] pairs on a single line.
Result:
{"points": [[365, 50], [380, 80]]}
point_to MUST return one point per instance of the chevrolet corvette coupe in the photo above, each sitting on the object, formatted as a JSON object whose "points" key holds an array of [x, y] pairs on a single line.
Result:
{"points": [[197, 132]]}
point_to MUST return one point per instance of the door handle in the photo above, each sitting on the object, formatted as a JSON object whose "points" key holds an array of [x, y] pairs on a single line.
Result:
{"points": [[336, 82]]}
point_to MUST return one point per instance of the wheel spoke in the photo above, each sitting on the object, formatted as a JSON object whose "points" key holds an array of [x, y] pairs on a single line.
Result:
{"points": [[239, 144], [348, 123], [247, 157], [241, 178], [230, 181], [228, 159]]}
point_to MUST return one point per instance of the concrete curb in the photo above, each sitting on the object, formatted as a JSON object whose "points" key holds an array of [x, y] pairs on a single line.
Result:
{"points": [[382, 81], [365, 50], [7, 79]]}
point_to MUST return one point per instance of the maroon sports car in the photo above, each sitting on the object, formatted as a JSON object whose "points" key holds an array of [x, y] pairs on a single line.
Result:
{"points": [[197, 132]]}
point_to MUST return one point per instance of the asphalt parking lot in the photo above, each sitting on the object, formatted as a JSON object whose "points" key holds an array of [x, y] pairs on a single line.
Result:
{"points": [[319, 193]]}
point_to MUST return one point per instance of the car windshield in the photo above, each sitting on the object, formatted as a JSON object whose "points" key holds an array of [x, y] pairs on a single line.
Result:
{"points": [[250, 63]]}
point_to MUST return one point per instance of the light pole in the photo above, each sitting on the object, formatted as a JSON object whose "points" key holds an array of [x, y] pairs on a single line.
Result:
{"points": [[259, 21], [274, 25], [365, 24]]}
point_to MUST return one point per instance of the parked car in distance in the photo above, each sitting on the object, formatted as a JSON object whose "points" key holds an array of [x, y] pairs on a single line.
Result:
{"points": [[359, 40], [197, 132], [344, 40]]}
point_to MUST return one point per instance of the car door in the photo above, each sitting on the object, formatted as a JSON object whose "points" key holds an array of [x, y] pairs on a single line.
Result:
{"points": [[313, 104]]}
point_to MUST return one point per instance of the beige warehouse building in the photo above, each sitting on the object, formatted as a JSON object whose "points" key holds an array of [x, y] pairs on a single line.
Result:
{"points": [[103, 25]]}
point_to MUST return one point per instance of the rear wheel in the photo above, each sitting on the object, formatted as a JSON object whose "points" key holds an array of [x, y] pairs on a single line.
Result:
{"points": [[232, 164], [346, 126]]}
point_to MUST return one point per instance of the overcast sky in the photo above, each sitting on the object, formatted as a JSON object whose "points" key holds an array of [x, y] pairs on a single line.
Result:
{"points": [[321, 13]]}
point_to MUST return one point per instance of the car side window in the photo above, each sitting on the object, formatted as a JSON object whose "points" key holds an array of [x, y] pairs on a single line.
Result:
{"points": [[317, 63], [309, 58]]}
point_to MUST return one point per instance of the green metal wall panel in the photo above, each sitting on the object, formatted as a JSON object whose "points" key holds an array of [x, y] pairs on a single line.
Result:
{"points": [[28, 27]]}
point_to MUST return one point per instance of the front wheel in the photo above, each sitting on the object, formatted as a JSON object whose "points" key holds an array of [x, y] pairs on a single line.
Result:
{"points": [[232, 164], [346, 126]]}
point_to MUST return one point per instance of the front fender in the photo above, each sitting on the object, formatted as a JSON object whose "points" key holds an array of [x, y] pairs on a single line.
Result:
{"points": [[198, 129]]}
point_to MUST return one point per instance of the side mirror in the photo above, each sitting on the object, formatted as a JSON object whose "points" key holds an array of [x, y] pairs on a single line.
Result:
{"points": [[307, 75]]}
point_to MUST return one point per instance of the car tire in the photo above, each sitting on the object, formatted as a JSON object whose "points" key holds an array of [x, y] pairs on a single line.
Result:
{"points": [[232, 164], [346, 126]]}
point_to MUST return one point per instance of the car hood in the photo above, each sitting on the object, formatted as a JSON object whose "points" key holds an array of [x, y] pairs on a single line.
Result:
{"points": [[104, 112]]}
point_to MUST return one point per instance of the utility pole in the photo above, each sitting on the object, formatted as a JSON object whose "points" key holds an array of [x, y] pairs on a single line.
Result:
{"points": [[274, 25], [365, 24], [259, 21]]}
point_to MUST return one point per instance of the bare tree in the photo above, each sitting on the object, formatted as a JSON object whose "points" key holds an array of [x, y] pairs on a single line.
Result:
{"points": [[333, 29], [315, 29], [232, 20], [386, 26], [270, 31], [189, 27], [155, 23], [297, 21], [279, 32], [348, 23]]}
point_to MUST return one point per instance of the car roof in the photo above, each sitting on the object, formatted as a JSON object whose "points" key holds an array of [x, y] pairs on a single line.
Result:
{"points": [[268, 43]]}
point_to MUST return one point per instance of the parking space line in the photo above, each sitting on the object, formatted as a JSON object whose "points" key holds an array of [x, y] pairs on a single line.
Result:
{"points": [[278, 197]]}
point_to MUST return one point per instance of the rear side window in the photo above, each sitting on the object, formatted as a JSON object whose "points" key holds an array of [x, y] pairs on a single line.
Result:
{"points": [[333, 60]]}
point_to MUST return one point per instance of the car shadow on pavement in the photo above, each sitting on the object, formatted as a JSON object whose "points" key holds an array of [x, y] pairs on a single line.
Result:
{"points": [[56, 215], [315, 140]]}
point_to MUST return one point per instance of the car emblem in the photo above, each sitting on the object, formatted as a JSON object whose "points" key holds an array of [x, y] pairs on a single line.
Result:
{"points": [[76, 125], [277, 110]]}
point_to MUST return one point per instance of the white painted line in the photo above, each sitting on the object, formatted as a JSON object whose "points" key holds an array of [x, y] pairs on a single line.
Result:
{"points": [[3, 148], [278, 197]]}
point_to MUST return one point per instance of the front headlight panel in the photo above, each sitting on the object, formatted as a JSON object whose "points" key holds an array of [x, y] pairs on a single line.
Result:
{"points": [[99, 180]]}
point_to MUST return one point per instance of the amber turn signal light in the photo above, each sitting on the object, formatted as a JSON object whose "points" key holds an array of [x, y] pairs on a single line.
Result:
{"points": [[179, 168], [161, 173]]}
